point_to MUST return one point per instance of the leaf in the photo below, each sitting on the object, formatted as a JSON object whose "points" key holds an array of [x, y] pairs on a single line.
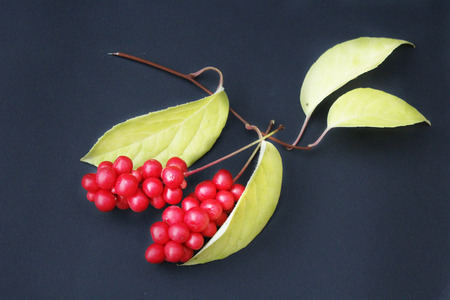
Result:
{"points": [[366, 107], [187, 131], [252, 212], [342, 63]]}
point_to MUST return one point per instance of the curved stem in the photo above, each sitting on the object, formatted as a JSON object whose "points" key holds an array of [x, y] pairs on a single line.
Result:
{"points": [[302, 130], [320, 138], [220, 86]]}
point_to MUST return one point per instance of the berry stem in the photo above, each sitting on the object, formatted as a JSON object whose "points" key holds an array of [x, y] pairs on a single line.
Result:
{"points": [[186, 174]]}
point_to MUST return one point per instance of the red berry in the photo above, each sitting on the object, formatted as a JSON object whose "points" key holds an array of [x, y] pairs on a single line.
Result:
{"points": [[172, 196], [178, 162], [210, 230], [183, 185], [104, 164], [205, 190], [158, 202], [237, 190], [151, 168], [152, 187], [221, 219], [189, 202], [123, 164], [226, 199], [172, 176], [155, 254], [106, 178], [88, 182], [91, 196], [212, 207], [105, 200], [126, 185], [173, 214], [196, 219], [137, 173], [139, 201], [195, 241], [173, 251], [122, 202], [188, 253], [223, 180], [179, 232], [159, 232]]}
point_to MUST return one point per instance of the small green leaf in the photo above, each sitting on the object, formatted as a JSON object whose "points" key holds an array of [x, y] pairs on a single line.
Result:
{"points": [[342, 63], [366, 107], [187, 131], [252, 212]]}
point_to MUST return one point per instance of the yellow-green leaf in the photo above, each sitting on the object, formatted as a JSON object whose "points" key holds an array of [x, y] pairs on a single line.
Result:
{"points": [[252, 212], [187, 131], [342, 63], [366, 107]]}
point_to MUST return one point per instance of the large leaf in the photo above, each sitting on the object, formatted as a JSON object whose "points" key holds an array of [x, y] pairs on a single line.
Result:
{"points": [[342, 63], [187, 131], [366, 107], [252, 212]]}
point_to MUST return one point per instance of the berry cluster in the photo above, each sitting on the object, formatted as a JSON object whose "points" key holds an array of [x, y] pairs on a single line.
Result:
{"points": [[184, 228], [117, 184]]}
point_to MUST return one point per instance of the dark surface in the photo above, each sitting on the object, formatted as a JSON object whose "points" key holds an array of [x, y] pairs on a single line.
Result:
{"points": [[363, 216]]}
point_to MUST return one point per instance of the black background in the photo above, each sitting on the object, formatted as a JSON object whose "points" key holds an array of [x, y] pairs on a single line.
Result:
{"points": [[363, 216]]}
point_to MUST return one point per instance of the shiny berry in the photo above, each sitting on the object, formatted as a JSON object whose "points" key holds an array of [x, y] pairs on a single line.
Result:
{"points": [[155, 254], [173, 214], [188, 253], [126, 185], [172, 196], [158, 202], [106, 177], [213, 208], [152, 187], [172, 176], [151, 168], [223, 180], [210, 230], [159, 232], [237, 190], [205, 190], [123, 164], [226, 199], [189, 202], [90, 196], [195, 241], [196, 219], [173, 251], [137, 173], [122, 202], [139, 201], [105, 200], [179, 232], [88, 182], [104, 164], [221, 219], [178, 162]]}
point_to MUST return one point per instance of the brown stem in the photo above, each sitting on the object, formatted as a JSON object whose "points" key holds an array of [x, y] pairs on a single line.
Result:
{"points": [[188, 173]]}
